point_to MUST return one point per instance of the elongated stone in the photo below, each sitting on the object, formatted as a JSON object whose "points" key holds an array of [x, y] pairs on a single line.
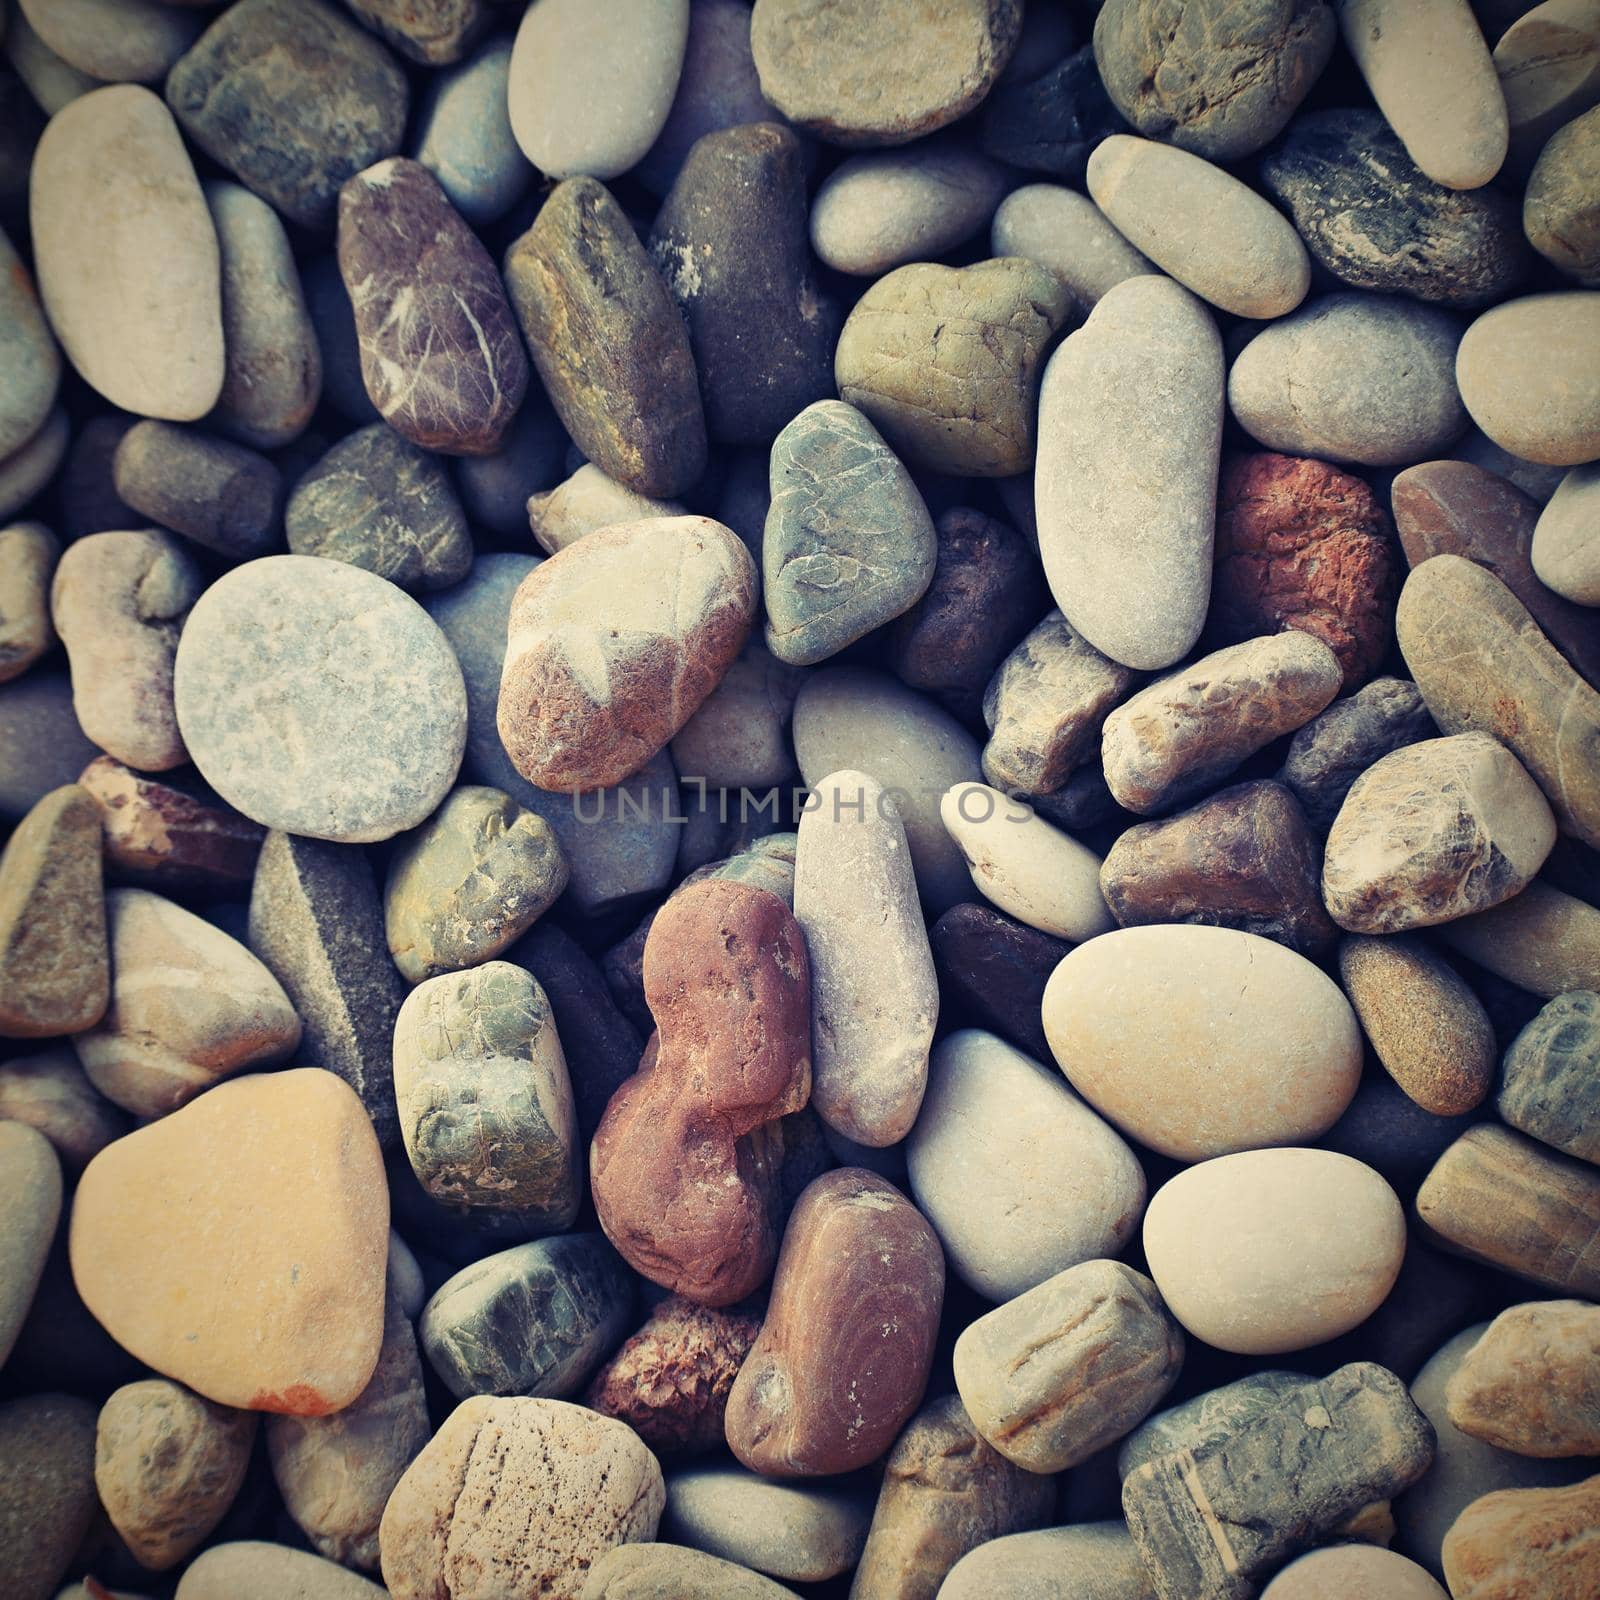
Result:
{"points": [[1068, 233], [1559, 212], [32, 360], [1549, 1073], [1542, 940], [659, 1571], [1566, 549], [31, 1189], [1533, 1542]]}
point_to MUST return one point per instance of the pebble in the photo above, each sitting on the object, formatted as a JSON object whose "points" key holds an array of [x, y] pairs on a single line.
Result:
{"points": [[628, 394], [860, 73], [877, 212], [590, 90], [495, 490], [1423, 1021], [1201, 225], [739, 738], [1436, 831], [1058, 1186], [116, 154], [1559, 212], [464, 138], [1087, 1561], [1221, 81], [284, 1160], [336, 1473], [250, 1570], [1543, 940], [42, 746], [1029, 869], [292, 98], [995, 971], [533, 1320], [1426, 64], [1174, 739], [1375, 222], [661, 1571], [189, 1007], [525, 1493], [49, 1092], [1529, 1384], [167, 1465], [470, 882], [1506, 1200], [30, 1190], [1251, 1046], [48, 81], [945, 1491], [1130, 427], [316, 697], [54, 969], [47, 1495], [1302, 545], [435, 34], [946, 361], [1206, 1419], [730, 243], [1331, 751], [1526, 1542], [845, 516], [32, 361], [1051, 123], [1353, 1572], [316, 923], [1245, 858], [26, 472], [1527, 374], [1548, 63], [872, 1022], [1548, 1070], [844, 1353], [1483, 665], [1352, 377], [585, 502], [114, 41], [1068, 1367], [802, 1533], [29, 552], [1566, 549], [1068, 233]]}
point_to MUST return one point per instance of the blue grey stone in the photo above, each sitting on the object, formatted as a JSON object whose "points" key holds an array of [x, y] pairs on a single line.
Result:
{"points": [[464, 135]]}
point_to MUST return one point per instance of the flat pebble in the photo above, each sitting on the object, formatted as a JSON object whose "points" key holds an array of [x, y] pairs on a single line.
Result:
{"points": [[1566, 544], [251, 1570], [30, 1189], [1068, 233], [115, 41], [47, 1495], [42, 745], [1544, 1089], [28, 555], [1087, 1561], [32, 361], [464, 138], [1560, 212]]}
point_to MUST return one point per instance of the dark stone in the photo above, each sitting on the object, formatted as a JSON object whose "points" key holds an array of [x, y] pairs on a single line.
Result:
{"points": [[434, 32], [21, 123], [86, 487], [623, 966], [1083, 801], [731, 242], [292, 98], [1388, 1131], [609, 342], [1052, 123], [995, 970], [1551, 1071], [1375, 222], [334, 323]]}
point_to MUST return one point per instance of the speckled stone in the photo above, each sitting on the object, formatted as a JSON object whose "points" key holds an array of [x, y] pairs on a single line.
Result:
{"points": [[32, 361], [1550, 1069], [434, 32], [28, 555], [292, 98], [1051, 123], [1560, 211], [47, 1494], [251, 1570], [217, 493], [317, 697], [42, 745], [1098, 1559], [1536, 1542], [463, 135], [1566, 546]]}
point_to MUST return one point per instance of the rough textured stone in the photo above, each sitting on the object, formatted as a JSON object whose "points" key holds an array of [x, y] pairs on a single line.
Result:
{"points": [[1177, 737], [167, 1466], [28, 556], [1541, 1543], [1560, 213], [609, 342], [1205, 1419], [533, 1320], [1548, 63], [433, 32], [50, 1094], [1353, 1572], [47, 1496], [285, 1161], [1099, 1561], [730, 243], [995, 969], [316, 923], [1066, 232], [32, 361], [1302, 545], [54, 975], [844, 1353], [1245, 858], [319, 698], [665, 1571], [1566, 548], [440, 352], [219, 494], [1219, 79], [1051, 123], [1130, 428], [249, 1570], [292, 98], [30, 1190], [946, 361], [1215, 1520], [42, 745], [1550, 1072], [464, 138], [517, 1494], [864, 74]]}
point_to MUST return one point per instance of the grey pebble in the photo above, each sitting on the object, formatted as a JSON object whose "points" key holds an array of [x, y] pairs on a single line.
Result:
{"points": [[464, 135], [1547, 1087]]}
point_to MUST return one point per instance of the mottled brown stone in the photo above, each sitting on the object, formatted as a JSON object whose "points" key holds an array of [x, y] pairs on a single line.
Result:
{"points": [[996, 969], [49, 1092], [1527, 1544], [434, 32], [843, 1356], [684, 1165], [1551, 1071]]}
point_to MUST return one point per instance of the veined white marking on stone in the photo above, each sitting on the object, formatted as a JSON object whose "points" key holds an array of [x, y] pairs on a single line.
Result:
{"points": [[483, 346], [1189, 1471], [381, 175]]}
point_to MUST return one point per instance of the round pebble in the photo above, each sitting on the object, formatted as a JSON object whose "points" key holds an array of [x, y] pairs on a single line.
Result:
{"points": [[1068, 233], [1566, 539], [1561, 207], [1353, 1572]]}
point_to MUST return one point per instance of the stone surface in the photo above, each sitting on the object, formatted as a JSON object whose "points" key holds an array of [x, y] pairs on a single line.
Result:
{"points": [[1353, 1572], [1565, 551], [316, 923], [616, 642], [946, 361], [1352, 377], [28, 555], [25, 473], [863, 74], [739, 738], [1559, 212], [1068, 233], [167, 1466], [48, 1092], [995, 969], [1243, 1253], [1548, 63], [1219, 79], [1549, 1074], [730, 243], [1087, 1561], [1069, 1367], [517, 1494], [662, 1571], [1051, 123], [608, 340], [53, 955], [1176, 738], [533, 1320], [249, 1570], [319, 698], [464, 138], [495, 490], [292, 98], [585, 502], [118, 221], [30, 1190], [844, 1353], [1130, 427], [1537, 1542], [285, 1160], [484, 1098], [189, 1007], [32, 361], [1205, 1419], [1302, 545], [440, 352], [1543, 940], [42, 745], [433, 32], [47, 1495], [119, 41]]}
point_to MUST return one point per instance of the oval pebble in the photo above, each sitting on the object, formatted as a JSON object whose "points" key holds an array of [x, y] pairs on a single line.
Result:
{"points": [[464, 136], [1087, 1561], [115, 41], [1566, 539], [1353, 1572], [1068, 233]]}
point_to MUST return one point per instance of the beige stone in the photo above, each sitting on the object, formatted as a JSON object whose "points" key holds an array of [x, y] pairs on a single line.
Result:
{"points": [[1543, 941], [1353, 1572], [28, 556], [671, 1572], [30, 1201], [1087, 1561], [586, 501], [1566, 538], [255, 1571], [50, 1093], [1527, 1544], [740, 735]]}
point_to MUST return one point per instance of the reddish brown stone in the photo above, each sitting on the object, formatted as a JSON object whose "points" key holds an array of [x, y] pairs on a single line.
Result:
{"points": [[1527, 1544], [843, 1356], [686, 1161], [670, 1381], [1302, 545]]}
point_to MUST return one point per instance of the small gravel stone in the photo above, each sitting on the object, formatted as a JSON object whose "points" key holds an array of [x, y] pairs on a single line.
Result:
{"points": [[47, 1494], [464, 138], [29, 552], [1560, 213], [1068, 233], [1566, 548], [584, 503], [1051, 123], [1549, 1071]]}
